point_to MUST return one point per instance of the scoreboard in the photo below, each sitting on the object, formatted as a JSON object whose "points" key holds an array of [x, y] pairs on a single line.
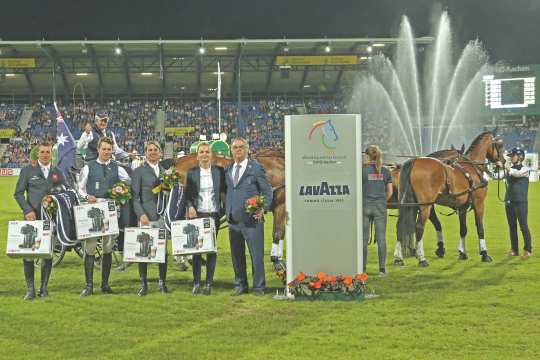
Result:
{"points": [[512, 89]]}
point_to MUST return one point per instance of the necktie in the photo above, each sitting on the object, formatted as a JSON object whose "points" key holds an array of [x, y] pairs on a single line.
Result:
{"points": [[237, 174], [45, 172]]}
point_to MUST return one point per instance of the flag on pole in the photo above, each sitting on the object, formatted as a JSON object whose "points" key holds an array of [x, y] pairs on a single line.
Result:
{"points": [[65, 152]]}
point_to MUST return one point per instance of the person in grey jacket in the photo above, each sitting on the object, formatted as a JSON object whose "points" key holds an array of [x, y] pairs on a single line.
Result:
{"points": [[144, 179], [37, 181], [246, 178]]}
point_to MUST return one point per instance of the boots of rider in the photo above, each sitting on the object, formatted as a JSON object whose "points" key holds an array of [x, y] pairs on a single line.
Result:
{"points": [[88, 275], [29, 277], [143, 268], [163, 276], [106, 264], [46, 268]]}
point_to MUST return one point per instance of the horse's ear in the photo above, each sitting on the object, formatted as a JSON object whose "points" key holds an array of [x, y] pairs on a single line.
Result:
{"points": [[462, 148], [452, 147], [494, 132]]}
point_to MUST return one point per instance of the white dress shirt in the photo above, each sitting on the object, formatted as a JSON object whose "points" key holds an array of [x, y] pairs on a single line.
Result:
{"points": [[154, 167], [243, 166], [206, 192], [83, 177], [45, 169]]}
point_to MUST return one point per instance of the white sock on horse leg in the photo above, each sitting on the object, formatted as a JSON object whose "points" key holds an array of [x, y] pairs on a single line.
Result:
{"points": [[277, 249], [397, 251], [420, 250], [461, 247], [440, 237], [483, 246]]}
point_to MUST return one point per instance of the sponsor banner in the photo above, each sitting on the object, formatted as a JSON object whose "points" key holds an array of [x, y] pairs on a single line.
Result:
{"points": [[95, 220], [10, 171], [17, 63], [195, 236], [317, 60], [145, 244], [179, 131], [7, 133], [30, 239], [323, 171]]}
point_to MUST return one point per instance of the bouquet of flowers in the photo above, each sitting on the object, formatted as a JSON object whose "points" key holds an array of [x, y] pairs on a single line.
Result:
{"points": [[120, 192], [49, 205], [168, 180], [312, 286], [255, 204]]}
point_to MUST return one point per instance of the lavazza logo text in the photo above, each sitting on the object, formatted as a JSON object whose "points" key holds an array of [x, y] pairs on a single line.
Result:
{"points": [[324, 189]]}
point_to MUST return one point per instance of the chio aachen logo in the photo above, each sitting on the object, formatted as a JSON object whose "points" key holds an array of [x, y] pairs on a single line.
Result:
{"points": [[324, 189], [329, 135]]}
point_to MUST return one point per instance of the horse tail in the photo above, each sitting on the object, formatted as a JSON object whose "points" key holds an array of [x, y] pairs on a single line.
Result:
{"points": [[407, 213]]}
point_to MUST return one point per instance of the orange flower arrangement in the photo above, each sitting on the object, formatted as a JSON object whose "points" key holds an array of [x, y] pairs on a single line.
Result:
{"points": [[309, 286]]}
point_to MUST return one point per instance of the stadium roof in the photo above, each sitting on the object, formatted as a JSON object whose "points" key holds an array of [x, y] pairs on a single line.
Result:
{"points": [[176, 68]]}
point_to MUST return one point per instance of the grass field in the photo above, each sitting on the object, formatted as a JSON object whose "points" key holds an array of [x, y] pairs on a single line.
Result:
{"points": [[453, 309]]}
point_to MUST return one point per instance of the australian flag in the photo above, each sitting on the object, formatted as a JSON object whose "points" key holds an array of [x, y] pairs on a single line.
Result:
{"points": [[65, 151]]}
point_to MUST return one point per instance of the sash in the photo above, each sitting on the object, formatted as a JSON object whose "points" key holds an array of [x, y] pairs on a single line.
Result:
{"points": [[65, 220], [175, 208]]}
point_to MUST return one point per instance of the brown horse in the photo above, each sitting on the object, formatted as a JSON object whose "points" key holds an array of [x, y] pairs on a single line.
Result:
{"points": [[408, 246], [273, 162], [427, 181]]}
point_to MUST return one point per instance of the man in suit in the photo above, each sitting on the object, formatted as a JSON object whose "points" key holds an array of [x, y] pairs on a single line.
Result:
{"points": [[37, 181], [145, 178], [95, 180], [246, 178], [205, 190]]}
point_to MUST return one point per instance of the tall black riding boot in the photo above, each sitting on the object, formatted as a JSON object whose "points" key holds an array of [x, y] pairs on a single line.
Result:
{"points": [[143, 269], [46, 268], [29, 277], [106, 263], [163, 276], [88, 275]]}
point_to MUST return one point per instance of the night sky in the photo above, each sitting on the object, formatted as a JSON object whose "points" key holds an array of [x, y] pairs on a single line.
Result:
{"points": [[509, 29]]}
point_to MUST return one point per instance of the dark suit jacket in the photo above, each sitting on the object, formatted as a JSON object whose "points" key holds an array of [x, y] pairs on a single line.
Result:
{"points": [[143, 181], [36, 187], [252, 183], [193, 186]]}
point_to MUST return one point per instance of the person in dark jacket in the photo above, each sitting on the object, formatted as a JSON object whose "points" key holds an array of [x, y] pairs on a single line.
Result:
{"points": [[37, 181], [205, 190], [516, 202]]}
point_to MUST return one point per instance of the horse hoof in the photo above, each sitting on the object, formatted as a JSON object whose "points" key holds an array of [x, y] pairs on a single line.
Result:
{"points": [[486, 258], [462, 256], [399, 262], [423, 263], [440, 252]]}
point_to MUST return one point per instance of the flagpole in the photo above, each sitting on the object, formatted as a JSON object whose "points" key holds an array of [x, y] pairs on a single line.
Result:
{"points": [[219, 97]]}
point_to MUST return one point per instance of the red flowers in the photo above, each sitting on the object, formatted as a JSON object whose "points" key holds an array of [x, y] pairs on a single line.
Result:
{"points": [[255, 204], [55, 178]]}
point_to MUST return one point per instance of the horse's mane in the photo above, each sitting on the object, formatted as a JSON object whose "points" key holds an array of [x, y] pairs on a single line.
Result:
{"points": [[477, 140], [269, 152]]}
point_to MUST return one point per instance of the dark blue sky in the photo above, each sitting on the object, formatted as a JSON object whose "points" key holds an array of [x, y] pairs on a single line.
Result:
{"points": [[508, 28]]}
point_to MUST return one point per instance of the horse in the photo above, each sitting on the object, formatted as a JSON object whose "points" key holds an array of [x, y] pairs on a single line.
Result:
{"points": [[426, 181], [273, 161], [408, 246]]}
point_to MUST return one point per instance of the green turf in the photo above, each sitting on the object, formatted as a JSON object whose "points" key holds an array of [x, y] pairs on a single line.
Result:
{"points": [[453, 309]]}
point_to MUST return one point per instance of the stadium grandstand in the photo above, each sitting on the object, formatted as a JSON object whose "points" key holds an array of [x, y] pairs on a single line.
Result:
{"points": [[150, 87]]}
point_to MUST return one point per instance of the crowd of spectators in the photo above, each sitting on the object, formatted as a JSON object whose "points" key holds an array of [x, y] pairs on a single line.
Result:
{"points": [[519, 133], [261, 122]]}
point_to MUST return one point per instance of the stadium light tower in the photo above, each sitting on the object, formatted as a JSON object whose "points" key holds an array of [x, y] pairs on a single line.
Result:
{"points": [[327, 49], [202, 50], [369, 49], [118, 50]]}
